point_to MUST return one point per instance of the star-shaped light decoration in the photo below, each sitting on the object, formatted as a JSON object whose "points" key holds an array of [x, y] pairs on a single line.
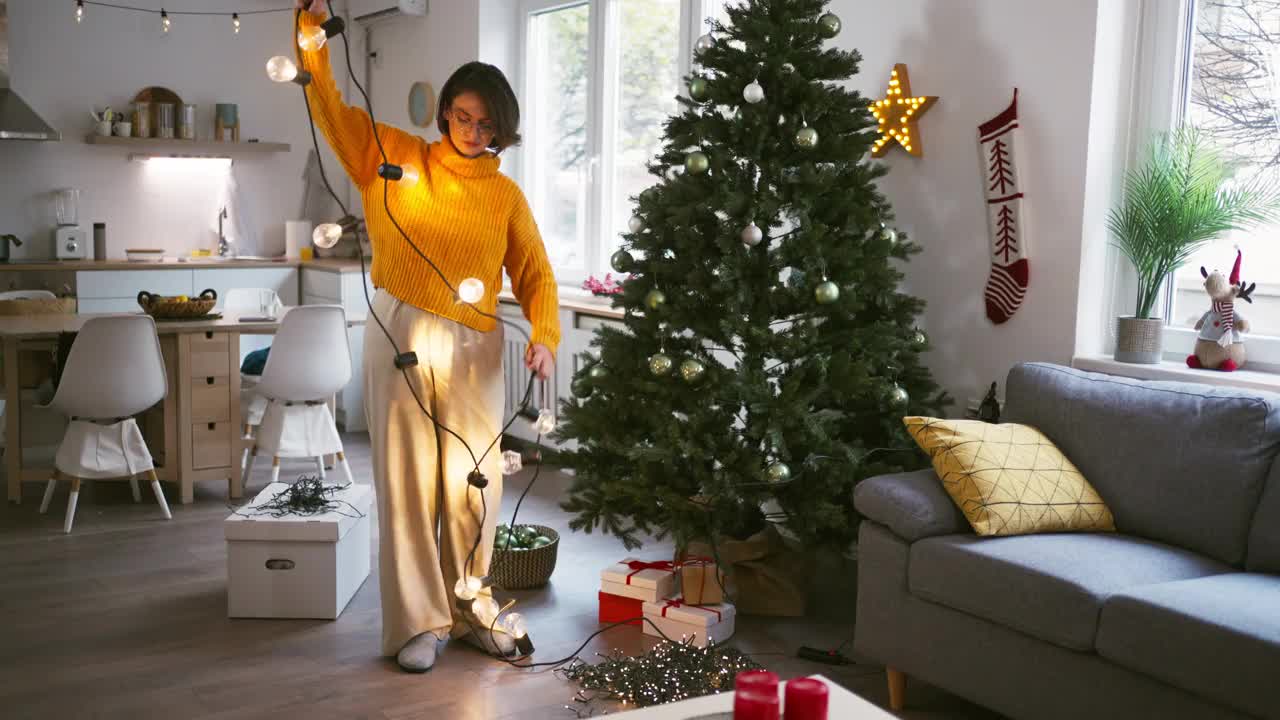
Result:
{"points": [[897, 114]]}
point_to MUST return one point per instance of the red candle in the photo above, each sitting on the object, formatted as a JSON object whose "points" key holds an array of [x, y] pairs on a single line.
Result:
{"points": [[755, 705], [806, 700], [762, 680]]}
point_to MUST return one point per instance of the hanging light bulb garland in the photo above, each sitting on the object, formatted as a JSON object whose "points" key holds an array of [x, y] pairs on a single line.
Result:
{"points": [[166, 15]]}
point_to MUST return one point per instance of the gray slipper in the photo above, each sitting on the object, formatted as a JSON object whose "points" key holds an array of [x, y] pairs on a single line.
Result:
{"points": [[420, 653]]}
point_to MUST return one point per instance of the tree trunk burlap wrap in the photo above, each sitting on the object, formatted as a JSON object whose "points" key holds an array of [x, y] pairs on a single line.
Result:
{"points": [[762, 574]]}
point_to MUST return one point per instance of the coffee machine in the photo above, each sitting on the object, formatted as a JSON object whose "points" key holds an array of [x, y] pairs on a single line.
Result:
{"points": [[70, 241]]}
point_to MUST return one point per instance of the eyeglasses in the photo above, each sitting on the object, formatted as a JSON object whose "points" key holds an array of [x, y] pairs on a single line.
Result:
{"points": [[466, 124]]}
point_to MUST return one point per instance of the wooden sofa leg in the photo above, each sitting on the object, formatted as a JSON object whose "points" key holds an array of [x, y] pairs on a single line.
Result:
{"points": [[897, 689]]}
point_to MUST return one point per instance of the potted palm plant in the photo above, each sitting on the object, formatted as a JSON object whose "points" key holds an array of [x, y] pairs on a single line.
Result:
{"points": [[1180, 198]]}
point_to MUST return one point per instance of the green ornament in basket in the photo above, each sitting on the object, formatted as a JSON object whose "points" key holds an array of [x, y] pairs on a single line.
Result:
{"points": [[524, 556], [173, 307]]}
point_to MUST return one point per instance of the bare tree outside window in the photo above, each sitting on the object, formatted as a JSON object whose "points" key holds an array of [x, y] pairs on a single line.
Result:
{"points": [[1234, 97]]}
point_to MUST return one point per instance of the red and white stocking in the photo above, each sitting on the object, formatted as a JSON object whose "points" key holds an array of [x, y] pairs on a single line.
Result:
{"points": [[999, 139]]}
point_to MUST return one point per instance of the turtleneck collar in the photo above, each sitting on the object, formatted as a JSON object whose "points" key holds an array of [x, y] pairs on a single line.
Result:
{"points": [[482, 166]]}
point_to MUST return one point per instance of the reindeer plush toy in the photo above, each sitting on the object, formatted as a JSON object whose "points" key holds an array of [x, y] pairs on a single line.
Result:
{"points": [[1220, 345]]}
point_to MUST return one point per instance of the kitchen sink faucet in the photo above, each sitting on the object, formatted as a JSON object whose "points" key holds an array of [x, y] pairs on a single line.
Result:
{"points": [[224, 245]]}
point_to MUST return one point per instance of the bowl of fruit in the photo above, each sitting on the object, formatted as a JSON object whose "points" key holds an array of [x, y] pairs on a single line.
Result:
{"points": [[524, 556], [175, 307]]}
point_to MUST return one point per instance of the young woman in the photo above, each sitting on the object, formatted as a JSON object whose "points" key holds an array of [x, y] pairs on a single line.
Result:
{"points": [[472, 222]]}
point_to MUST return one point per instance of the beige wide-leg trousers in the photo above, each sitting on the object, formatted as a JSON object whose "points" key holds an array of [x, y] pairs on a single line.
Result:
{"points": [[428, 515]]}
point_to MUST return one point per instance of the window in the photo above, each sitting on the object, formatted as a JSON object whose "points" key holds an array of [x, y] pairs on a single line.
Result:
{"points": [[1233, 93], [601, 77]]}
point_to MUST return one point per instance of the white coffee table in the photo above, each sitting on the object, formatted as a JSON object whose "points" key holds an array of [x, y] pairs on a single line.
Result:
{"points": [[841, 705]]}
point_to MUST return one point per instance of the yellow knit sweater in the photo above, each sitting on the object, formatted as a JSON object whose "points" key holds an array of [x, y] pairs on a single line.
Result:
{"points": [[471, 220]]}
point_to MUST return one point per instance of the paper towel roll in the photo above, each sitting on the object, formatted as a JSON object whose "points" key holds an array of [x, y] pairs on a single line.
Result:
{"points": [[297, 235]]}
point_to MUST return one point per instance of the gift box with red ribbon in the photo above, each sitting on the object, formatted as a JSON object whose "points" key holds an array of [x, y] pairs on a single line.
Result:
{"points": [[701, 582], [640, 580], [615, 608], [677, 620]]}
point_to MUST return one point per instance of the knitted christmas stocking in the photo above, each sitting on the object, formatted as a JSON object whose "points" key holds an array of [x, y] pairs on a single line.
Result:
{"points": [[999, 138]]}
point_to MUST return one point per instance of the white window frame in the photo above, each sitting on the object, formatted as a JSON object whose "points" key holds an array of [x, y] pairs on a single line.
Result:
{"points": [[1163, 76], [601, 99]]}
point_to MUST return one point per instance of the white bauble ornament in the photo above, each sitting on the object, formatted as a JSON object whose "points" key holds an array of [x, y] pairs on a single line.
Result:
{"points": [[753, 93]]}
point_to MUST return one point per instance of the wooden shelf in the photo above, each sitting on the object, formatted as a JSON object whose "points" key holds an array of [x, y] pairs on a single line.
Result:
{"points": [[186, 148]]}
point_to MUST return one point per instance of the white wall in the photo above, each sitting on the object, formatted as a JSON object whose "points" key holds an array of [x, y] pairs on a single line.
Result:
{"points": [[972, 54], [420, 49], [62, 69]]}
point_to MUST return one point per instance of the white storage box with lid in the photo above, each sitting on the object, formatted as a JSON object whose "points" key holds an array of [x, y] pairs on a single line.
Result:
{"points": [[297, 566]]}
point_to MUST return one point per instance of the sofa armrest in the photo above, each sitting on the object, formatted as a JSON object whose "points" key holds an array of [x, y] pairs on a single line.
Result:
{"points": [[912, 504]]}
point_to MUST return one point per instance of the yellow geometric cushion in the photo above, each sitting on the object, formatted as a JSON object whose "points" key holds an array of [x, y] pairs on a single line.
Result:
{"points": [[1009, 479]]}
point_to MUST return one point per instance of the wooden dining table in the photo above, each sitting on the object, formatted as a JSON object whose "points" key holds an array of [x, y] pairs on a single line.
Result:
{"points": [[195, 433]]}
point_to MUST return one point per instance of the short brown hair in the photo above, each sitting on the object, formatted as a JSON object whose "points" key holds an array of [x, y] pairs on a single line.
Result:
{"points": [[491, 85]]}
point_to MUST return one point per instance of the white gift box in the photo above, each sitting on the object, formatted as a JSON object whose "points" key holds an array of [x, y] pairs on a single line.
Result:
{"points": [[297, 566], [700, 622], [647, 584]]}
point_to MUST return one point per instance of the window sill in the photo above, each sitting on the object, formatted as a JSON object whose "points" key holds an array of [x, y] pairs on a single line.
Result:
{"points": [[1177, 371]]}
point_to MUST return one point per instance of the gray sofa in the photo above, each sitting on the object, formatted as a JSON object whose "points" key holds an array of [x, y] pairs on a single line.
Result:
{"points": [[1175, 616]]}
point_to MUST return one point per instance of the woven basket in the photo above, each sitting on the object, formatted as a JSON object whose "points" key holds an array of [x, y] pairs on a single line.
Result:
{"points": [[520, 569], [1139, 340], [161, 307]]}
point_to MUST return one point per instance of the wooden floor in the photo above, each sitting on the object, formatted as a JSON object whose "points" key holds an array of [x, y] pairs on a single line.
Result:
{"points": [[126, 618]]}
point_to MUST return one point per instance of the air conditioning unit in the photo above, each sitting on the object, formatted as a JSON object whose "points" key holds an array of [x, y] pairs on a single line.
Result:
{"points": [[372, 11]]}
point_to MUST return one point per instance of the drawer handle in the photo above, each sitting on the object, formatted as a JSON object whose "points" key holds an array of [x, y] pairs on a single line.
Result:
{"points": [[279, 564], [209, 380], [213, 426]]}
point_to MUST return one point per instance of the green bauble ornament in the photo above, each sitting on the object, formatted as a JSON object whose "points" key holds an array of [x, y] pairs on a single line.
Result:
{"points": [[697, 162], [920, 340], [807, 138], [829, 25], [692, 370], [654, 299], [660, 364], [581, 388], [698, 89], [598, 373], [898, 397], [826, 293], [621, 261], [778, 472]]}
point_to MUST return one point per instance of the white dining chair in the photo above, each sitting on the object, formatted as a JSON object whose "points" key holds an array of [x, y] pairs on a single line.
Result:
{"points": [[251, 301], [114, 371], [310, 360]]}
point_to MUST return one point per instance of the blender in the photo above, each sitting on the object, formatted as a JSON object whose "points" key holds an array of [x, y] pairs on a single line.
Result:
{"points": [[70, 241]]}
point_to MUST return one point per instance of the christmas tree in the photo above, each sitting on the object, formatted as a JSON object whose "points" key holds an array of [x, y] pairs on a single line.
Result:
{"points": [[767, 357]]}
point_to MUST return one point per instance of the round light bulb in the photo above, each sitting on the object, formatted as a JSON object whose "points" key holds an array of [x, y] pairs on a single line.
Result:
{"points": [[326, 235], [281, 69], [468, 588], [312, 38], [485, 609], [546, 421], [471, 291], [235, 22], [79, 10], [410, 176], [511, 462], [165, 22], [513, 624]]}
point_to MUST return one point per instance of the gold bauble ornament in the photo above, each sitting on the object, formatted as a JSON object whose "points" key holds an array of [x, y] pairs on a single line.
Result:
{"points": [[660, 364], [826, 293], [778, 472], [697, 162], [807, 138], [829, 25], [692, 370], [654, 299]]}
